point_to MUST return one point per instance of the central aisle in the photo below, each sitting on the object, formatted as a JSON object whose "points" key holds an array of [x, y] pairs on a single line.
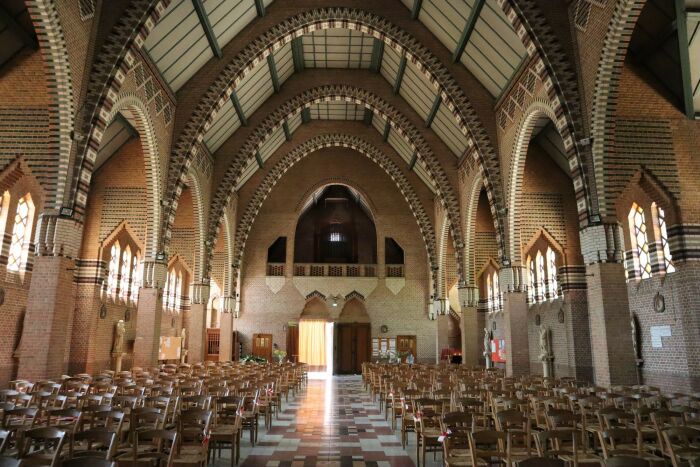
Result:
{"points": [[331, 422]]}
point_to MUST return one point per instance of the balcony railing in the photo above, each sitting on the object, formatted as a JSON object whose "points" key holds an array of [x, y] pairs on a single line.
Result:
{"points": [[275, 269], [335, 270], [394, 270]]}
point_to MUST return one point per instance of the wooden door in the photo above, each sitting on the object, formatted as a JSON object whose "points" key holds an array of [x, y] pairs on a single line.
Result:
{"points": [[353, 347], [262, 346], [407, 344], [293, 342]]}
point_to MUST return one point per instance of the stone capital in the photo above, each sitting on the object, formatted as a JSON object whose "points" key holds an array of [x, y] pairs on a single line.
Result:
{"points": [[58, 236], [468, 296], [602, 243], [199, 293]]}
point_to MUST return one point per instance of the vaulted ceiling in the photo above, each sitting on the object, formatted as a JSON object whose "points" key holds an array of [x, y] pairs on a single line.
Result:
{"points": [[192, 33]]}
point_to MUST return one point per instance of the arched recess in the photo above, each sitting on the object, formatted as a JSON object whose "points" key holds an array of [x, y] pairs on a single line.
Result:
{"points": [[350, 94], [562, 88], [315, 308], [53, 49], [354, 311], [607, 80], [202, 249], [325, 141], [537, 111], [258, 50], [444, 256], [472, 204], [131, 103]]}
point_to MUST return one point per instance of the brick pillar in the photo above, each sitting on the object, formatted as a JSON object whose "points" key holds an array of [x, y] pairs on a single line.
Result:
{"points": [[149, 314], [196, 324], [611, 338], [45, 345], [471, 330], [515, 321], [226, 338]]}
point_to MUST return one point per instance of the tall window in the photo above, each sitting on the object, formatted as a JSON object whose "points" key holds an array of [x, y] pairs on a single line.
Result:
{"points": [[136, 273], [21, 233], [489, 293], [540, 276], [125, 280], [496, 292], [531, 290], [640, 241], [663, 234], [113, 270], [552, 273]]}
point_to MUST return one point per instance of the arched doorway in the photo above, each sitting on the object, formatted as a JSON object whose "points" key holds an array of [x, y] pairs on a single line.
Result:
{"points": [[315, 336], [354, 338]]}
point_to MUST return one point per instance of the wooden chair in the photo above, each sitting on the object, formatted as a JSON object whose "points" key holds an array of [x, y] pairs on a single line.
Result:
{"points": [[154, 448], [428, 432], [88, 462], [626, 461], [193, 435], [9, 462], [487, 446], [226, 429], [683, 444], [541, 462], [42, 446], [94, 443], [456, 451]]}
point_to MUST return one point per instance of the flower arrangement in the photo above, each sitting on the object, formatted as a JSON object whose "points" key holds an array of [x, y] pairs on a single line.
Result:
{"points": [[253, 359], [279, 355]]}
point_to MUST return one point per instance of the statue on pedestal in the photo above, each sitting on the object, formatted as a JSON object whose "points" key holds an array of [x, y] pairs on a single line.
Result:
{"points": [[118, 347], [487, 347], [545, 351], [183, 349]]}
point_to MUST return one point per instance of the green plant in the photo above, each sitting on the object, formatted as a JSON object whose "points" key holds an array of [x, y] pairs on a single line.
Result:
{"points": [[253, 359], [279, 355]]}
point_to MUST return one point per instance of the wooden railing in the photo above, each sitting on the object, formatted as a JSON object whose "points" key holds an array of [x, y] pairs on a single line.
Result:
{"points": [[275, 269], [213, 341], [335, 270], [394, 270]]}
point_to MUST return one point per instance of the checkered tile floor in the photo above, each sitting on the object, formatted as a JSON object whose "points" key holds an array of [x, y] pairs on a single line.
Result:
{"points": [[331, 422]]}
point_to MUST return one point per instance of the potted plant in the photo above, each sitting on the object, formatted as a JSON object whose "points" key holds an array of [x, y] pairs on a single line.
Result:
{"points": [[279, 355]]}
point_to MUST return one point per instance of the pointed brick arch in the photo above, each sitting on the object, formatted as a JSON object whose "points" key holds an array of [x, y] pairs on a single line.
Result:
{"points": [[393, 36], [325, 141]]}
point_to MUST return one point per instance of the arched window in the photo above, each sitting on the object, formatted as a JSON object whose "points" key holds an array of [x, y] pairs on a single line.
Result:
{"points": [[136, 272], [552, 273], [178, 291], [531, 287], [640, 241], [489, 293], [113, 270], [125, 279], [21, 234], [169, 293], [663, 238], [496, 292], [540, 276]]}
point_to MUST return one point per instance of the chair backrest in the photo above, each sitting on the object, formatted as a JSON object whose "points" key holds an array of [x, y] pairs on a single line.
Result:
{"points": [[9, 462], [626, 461], [88, 462], [163, 442], [49, 439], [541, 462], [489, 445], [100, 437]]}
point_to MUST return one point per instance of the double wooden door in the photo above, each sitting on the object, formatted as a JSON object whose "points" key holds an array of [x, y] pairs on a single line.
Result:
{"points": [[405, 344], [353, 347], [262, 346]]}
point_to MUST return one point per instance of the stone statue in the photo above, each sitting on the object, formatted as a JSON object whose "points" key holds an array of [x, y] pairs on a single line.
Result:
{"points": [[183, 340], [119, 331], [118, 347], [544, 343], [545, 351]]}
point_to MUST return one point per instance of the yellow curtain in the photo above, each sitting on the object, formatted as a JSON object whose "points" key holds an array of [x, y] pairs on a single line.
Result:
{"points": [[312, 342]]}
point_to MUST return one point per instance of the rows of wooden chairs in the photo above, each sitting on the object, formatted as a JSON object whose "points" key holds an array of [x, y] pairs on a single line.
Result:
{"points": [[473, 416], [172, 415]]}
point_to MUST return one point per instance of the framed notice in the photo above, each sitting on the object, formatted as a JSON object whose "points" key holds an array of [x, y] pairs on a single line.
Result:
{"points": [[169, 348]]}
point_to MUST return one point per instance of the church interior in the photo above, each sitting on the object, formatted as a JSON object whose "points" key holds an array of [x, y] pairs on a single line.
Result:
{"points": [[359, 233]]}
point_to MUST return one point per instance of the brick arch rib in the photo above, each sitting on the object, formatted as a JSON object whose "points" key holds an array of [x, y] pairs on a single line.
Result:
{"points": [[326, 141], [53, 48], [556, 72], [351, 94], [607, 80], [281, 34]]}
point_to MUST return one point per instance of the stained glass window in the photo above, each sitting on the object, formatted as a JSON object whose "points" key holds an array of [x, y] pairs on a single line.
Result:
{"points": [[113, 270], [125, 272], [665, 248], [640, 241], [531, 289], [489, 293], [540, 276], [496, 292], [136, 272], [20, 234], [552, 273]]}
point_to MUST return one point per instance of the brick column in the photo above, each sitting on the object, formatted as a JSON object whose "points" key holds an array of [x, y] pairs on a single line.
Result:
{"points": [[611, 338], [196, 324], [149, 314], [226, 349], [515, 321], [45, 345], [471, 330]]}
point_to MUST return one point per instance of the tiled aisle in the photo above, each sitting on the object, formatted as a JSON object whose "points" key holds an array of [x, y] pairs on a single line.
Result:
{"points": [[331, 422]]}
